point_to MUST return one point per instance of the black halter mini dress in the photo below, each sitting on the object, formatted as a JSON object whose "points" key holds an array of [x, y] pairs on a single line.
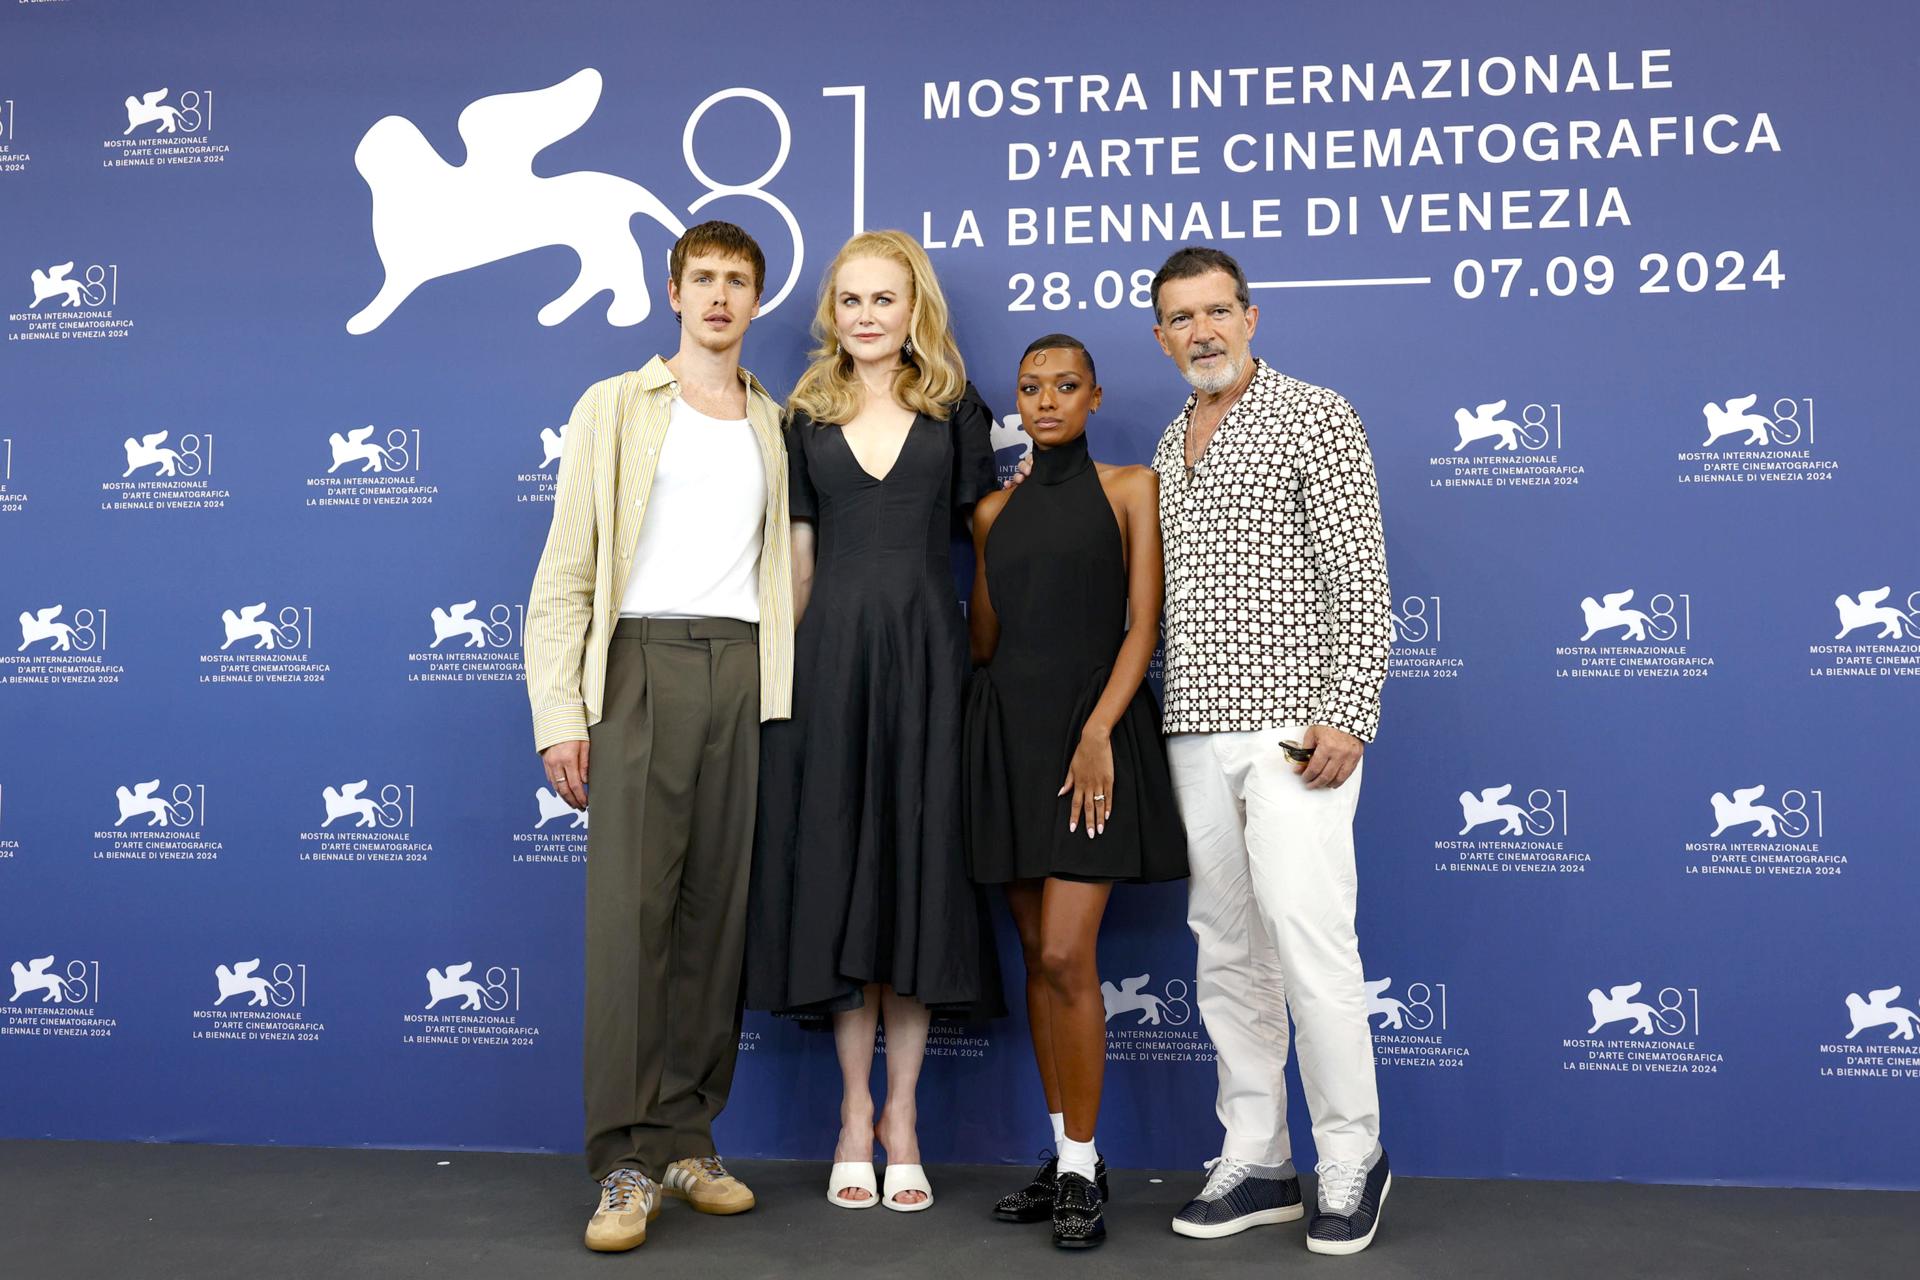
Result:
{"points": [[1057, 577]]}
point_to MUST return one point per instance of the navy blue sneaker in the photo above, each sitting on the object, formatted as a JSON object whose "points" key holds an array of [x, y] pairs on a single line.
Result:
{"points": [[1235, 1199], [1351, 1196]]}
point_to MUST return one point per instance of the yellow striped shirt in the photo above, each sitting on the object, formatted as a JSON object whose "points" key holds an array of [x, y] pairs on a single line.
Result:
{"points": [[607, 466]]}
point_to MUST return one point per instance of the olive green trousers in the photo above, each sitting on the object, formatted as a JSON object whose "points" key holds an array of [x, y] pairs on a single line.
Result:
{"points": [[673, 773]]}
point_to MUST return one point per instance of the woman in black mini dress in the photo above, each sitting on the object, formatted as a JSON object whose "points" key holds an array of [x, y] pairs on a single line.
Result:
{"points": [[860, 901], [1066, 777]]}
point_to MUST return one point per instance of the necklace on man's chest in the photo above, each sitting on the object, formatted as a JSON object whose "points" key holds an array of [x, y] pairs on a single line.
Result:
{"points": [[1194, 455]]}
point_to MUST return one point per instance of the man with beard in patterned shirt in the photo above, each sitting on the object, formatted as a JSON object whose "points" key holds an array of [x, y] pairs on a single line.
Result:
{"points": [[1278, 626]]}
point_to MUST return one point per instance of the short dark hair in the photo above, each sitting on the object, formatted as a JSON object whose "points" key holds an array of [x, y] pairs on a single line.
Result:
{"points": [[724, 240], [1061, 342], [1198, 260]]}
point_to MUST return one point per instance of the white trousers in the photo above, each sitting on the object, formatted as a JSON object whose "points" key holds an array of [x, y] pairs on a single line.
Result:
{"points": [[1271, 905]]}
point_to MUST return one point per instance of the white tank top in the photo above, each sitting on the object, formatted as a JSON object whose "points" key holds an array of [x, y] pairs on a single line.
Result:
{"points": [[698, 555]]}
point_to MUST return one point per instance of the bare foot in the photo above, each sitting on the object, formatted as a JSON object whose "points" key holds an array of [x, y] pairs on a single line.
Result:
{"points": [[897, 1132], [855, 1146]]}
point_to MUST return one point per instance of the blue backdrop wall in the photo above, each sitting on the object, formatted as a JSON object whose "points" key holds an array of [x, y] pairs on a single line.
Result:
{"points": [[291, 321]]}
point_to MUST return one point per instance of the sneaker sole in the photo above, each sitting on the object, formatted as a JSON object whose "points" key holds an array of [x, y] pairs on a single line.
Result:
{"points": [[1338, 1248], [627, 1246], [720, 1210], [1264, 1218], [615, 1248], [1094, 1243]]}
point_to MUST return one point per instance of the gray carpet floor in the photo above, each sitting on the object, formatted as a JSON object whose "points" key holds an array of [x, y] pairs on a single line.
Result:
{"points": [[75, 1211]]}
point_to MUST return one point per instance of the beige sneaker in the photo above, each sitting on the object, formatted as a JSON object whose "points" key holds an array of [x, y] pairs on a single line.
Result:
{"points": [[704, 1183], [628, 1200]]}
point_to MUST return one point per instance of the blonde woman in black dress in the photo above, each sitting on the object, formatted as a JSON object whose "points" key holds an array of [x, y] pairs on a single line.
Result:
{"points": [[860, 905], [1067, 783]]}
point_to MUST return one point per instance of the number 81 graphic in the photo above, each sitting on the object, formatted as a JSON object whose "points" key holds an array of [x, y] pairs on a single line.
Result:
{"points": [[1672, 1007], [196, 110], [756, 189], [500, 989]]}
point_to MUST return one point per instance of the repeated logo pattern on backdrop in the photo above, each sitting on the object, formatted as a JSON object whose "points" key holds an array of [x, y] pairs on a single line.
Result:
{"points": [[285, 377]]}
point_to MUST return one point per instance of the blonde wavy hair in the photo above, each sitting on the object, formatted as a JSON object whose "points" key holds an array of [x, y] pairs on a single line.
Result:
{"points": [[930, 381]]}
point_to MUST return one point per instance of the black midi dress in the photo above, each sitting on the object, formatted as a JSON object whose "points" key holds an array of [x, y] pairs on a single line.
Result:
{"points": [[859, 870], [1057, 578]]}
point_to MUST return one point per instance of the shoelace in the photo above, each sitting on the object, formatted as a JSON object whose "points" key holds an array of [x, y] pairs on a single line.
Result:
{"points": [[710, 1168], [622, 1188], [1223, 1174], [1084, 1197], [1340, 1183]]}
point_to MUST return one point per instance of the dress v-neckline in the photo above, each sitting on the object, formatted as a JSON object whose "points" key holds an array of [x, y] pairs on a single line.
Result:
{"points": [[860, 466]]}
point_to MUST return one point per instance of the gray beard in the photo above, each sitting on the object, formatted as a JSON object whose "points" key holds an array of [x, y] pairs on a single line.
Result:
{"points": [[1213, 384]]}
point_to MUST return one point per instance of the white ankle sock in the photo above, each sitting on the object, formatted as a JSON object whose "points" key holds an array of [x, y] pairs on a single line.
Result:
{"points": [[1078, 1157], [1059, 1119]]}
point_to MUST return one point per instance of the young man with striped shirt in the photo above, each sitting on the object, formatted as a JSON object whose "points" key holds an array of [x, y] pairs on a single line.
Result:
{"points": [[659, 634]]}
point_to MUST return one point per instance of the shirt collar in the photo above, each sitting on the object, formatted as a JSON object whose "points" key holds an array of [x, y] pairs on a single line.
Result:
{"points": [[1261, 371], [655, 375]]}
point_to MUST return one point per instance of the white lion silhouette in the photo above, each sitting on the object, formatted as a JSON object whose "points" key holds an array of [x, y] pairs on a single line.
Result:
{"points": [[1871, 609], [1618, 1005], [240, 980], [53, 283], [454, 983], [148, 109], [448, 623], [1734, 419], [147, 452], [355, 446], [1129, 998], [247, 624], [35, 977], [1391, 1011], [1487, 807], [41, 626], [1607, 613], [433, 219], [141, 799], [552, 806], [347, 800], [1009, 433], [1484, 421], [1879, 1010], [1741, 810]]}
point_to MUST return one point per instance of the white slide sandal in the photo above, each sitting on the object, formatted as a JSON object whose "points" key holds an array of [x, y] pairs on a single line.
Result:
{"points": [[907, 1177], [848, 1174]]}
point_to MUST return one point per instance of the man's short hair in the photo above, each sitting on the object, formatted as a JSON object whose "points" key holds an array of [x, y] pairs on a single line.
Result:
{"points": [[1198, 260], [723, 240]]}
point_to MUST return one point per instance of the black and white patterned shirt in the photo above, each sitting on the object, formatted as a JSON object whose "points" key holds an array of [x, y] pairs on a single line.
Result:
{"points": [[1278, 610]]}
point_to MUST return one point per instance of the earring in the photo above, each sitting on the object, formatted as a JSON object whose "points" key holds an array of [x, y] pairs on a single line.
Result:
{"points": [[906, 349]]}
